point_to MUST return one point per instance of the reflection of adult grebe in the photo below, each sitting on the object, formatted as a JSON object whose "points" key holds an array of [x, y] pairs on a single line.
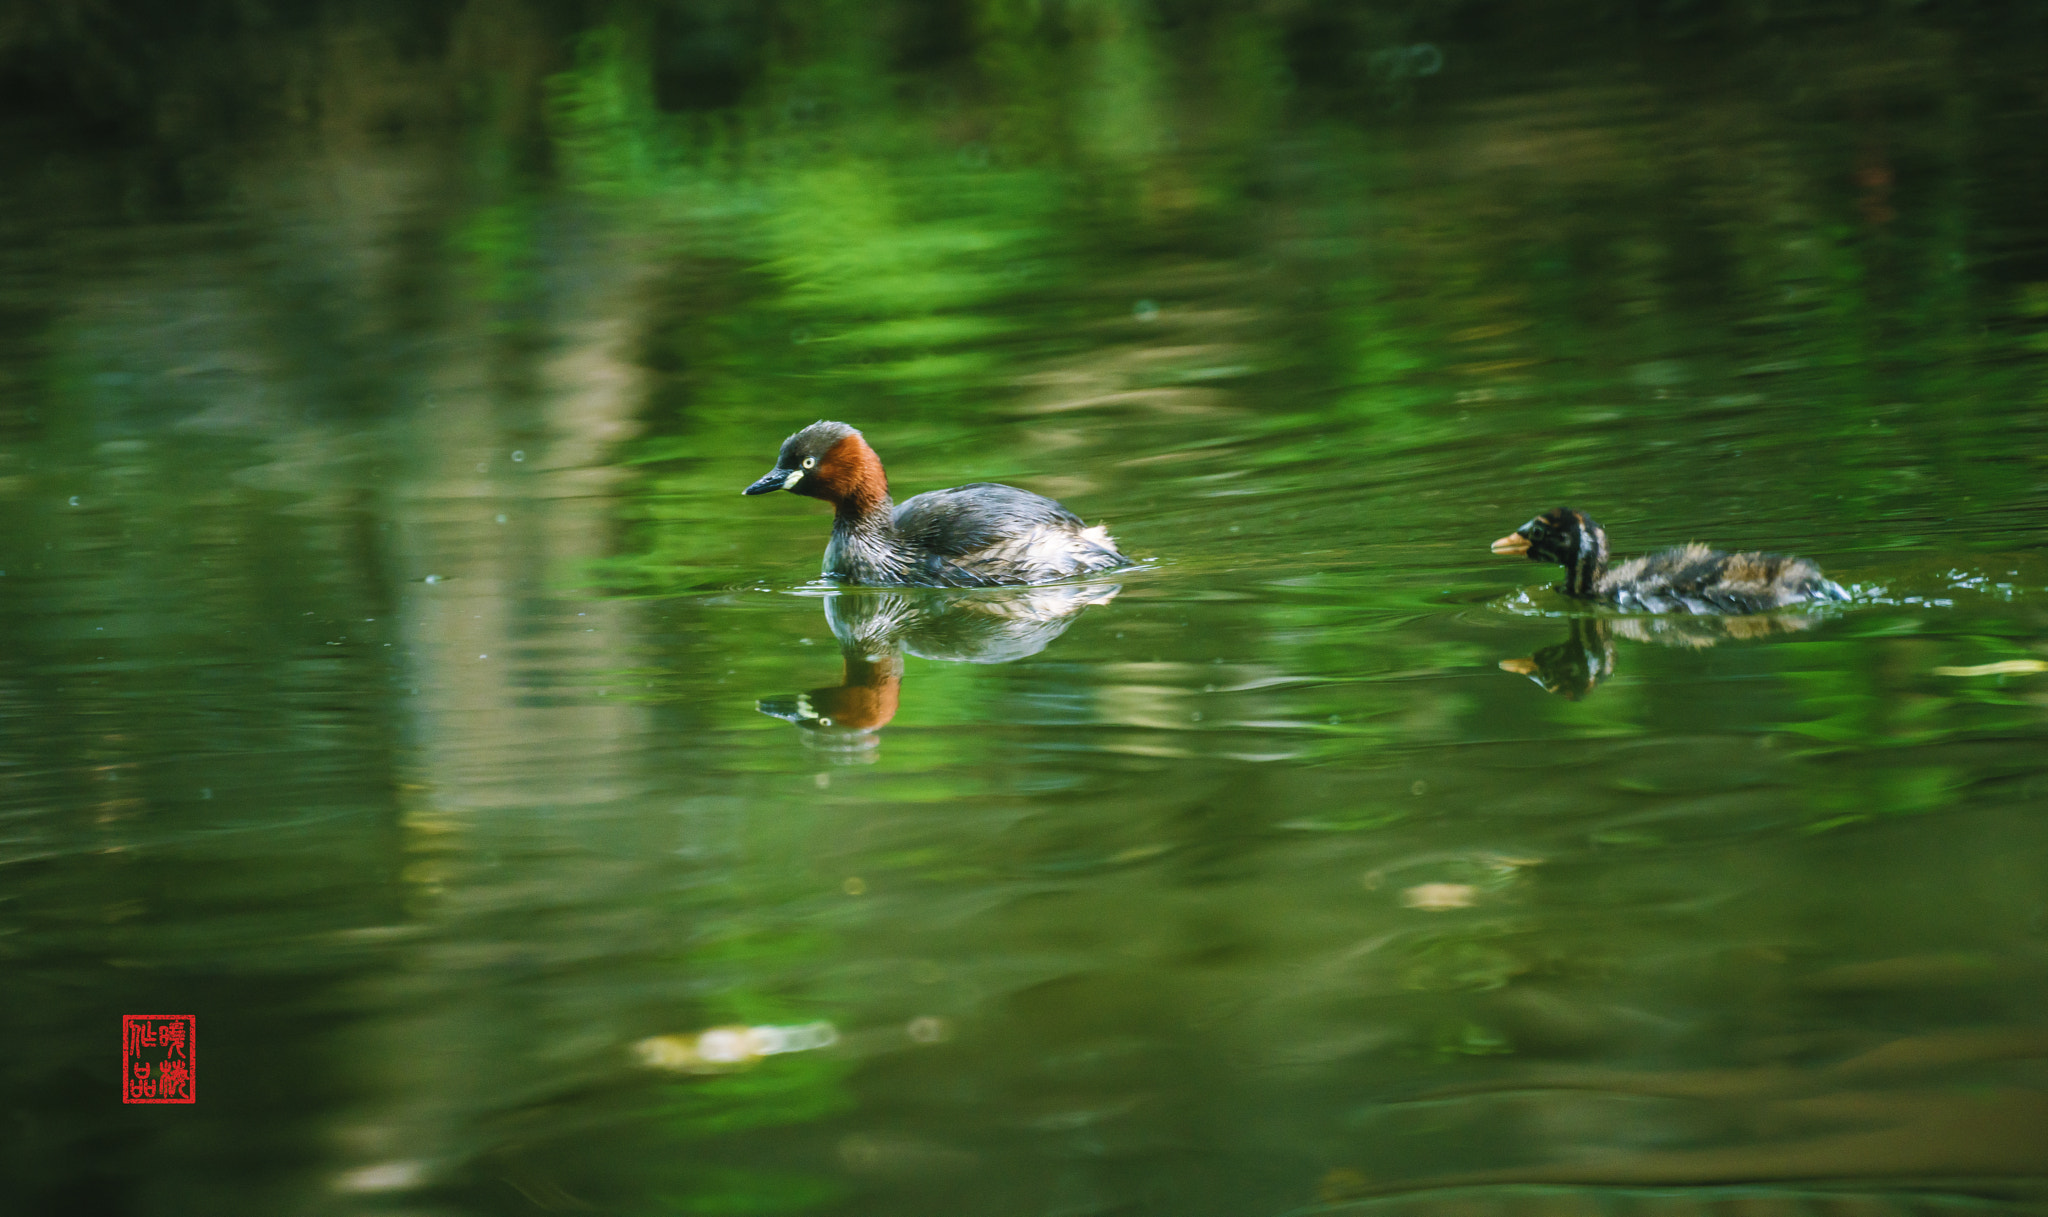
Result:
{"points": [[1573, 668], [877, 629]]}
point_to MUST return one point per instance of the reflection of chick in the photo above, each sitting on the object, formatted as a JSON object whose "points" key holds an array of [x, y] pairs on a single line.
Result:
{"points": [[1702, 632], [1573, 667], [876, 629], [1689, 579]]}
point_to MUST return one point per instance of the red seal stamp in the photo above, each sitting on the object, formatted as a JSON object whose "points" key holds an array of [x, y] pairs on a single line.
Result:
{"points": [[156, 1058]]}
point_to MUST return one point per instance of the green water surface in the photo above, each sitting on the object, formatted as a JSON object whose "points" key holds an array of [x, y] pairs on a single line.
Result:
{"points": [[384, 630]]}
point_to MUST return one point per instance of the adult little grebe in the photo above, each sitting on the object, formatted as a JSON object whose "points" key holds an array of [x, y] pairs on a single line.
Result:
{"points": [[1688, 579], [979, 535]]}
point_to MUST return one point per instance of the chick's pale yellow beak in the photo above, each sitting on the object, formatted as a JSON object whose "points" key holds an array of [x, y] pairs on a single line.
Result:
{"points": [[1513, 543]]}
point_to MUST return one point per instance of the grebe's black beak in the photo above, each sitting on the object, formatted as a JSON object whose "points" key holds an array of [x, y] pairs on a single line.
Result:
{"points": [[774, 480], [795, 709], [1513, 543]]}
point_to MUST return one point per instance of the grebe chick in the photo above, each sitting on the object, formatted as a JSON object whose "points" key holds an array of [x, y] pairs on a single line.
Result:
{"points": [[1688, 579], [979, 535]]}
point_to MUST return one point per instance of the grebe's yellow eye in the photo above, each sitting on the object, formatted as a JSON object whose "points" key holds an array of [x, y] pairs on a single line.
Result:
{"points": [[810, 462]]}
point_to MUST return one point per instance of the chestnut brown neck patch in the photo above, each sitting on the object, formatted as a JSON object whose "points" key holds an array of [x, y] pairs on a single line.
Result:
{"points": [[852, 475], [867, 700]]}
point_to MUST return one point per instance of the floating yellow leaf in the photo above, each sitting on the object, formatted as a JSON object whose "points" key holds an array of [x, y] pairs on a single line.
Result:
{"points": [[2005, 667], [1436, 897]]}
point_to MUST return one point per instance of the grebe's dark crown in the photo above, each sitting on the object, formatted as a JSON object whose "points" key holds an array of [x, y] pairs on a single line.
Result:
{"points": [[813, 441], [1561, 534], [806, 451]]}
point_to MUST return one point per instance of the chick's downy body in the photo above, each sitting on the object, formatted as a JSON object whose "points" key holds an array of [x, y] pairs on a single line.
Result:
{"points": [[1686, 579], [1696, 579], [980, 535]]}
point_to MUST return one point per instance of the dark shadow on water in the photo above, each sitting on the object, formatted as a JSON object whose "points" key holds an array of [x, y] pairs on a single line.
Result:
{"points": [[877, 628]]}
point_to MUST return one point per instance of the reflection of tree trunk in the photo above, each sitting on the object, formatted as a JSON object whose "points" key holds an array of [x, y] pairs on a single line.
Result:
{"points": [[519, 733]]}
